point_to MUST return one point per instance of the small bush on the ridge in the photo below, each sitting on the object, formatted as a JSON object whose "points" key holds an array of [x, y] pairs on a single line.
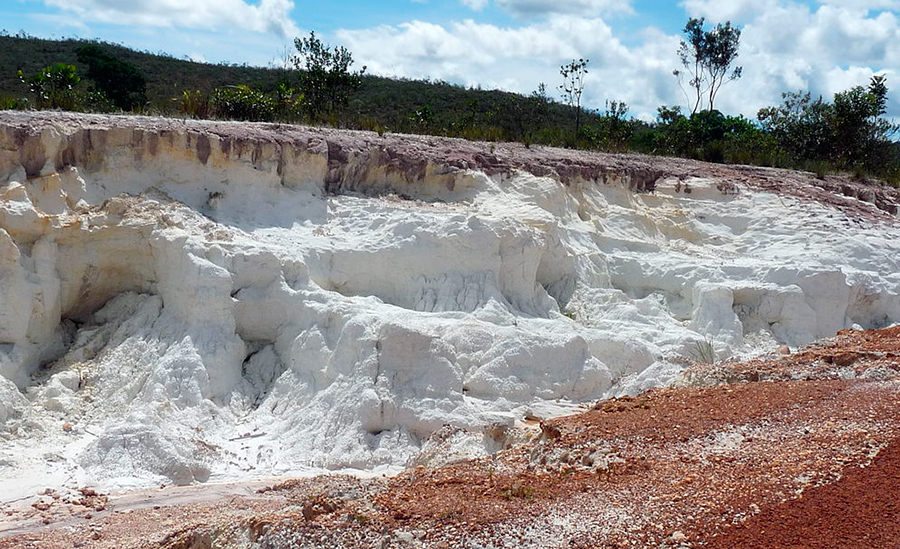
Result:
{"points": [[243, 103], [193, 104], [14, 103], [54, 86]]}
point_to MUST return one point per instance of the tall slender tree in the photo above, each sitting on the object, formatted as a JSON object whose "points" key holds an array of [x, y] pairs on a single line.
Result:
{"points": [[573, 74]]}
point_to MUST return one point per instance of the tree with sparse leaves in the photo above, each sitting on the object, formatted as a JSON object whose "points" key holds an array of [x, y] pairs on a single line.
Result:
{"points": [[707, 56], [573, 74]]}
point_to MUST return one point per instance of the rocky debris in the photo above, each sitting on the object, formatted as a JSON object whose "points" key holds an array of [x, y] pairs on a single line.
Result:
{"points": [[858, 510], [851, 354], [92, 499], [772, 464]]}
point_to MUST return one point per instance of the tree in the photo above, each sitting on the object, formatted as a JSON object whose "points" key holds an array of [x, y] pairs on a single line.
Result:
{"points": [[707, 57], [422, 118], [617, 126], [121, 82], [857, 129], [799, 125], [289, 103], [611, 131], [325, 77], [525, 115], [573, 85], [536, 107], [850, 132]]}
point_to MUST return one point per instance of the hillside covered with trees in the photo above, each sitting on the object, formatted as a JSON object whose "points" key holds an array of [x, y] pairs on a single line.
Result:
{"points": [[395, 105]]}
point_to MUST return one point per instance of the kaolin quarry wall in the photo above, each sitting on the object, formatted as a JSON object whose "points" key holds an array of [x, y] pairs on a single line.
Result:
{"points": [[209, 300]]}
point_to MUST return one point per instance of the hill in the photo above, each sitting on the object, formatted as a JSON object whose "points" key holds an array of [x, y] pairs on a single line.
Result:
{"points": [[391, 103], [166, 76]]}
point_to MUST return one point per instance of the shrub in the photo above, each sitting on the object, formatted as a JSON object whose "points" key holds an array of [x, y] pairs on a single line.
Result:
{"points": [[326, 80], [850, 132], [610, 131], [54, 86], [242, 103], [753, 146], [14, 103], [193, 104], [289, 103]]}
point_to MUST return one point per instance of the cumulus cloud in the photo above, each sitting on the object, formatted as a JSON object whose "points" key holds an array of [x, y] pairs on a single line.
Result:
{"points": [[735, 10], [519, 58], [587, 8], [268, 16], [786, 45], [825, 49], [864, 5], [476, 5]]}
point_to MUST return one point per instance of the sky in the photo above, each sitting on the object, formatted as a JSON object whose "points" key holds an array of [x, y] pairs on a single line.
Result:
{"points": [[823, 46]]}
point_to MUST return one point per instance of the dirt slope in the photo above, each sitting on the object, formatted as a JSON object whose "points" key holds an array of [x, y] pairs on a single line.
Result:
{"points": [[806, 455]]}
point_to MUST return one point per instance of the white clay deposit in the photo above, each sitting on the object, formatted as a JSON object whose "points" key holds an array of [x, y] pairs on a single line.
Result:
{"points": [[180, 305]]}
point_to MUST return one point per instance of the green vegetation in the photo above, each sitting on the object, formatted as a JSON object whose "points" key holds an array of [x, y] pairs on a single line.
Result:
{"points": [[325, 78], [194, 104], [242, 103], [54, 86], [119, 81], [178, 87], [847, 134]]}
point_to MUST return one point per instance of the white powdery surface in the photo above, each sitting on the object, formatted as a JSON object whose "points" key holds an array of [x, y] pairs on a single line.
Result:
{"points": [[211, 327]]}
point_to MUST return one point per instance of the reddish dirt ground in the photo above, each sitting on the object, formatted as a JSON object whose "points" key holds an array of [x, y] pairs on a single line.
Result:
{"points": [[797, 451], [859, 510]]}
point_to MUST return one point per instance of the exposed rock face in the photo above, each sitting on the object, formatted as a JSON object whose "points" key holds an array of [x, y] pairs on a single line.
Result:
{"points": [[206, 299]]}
